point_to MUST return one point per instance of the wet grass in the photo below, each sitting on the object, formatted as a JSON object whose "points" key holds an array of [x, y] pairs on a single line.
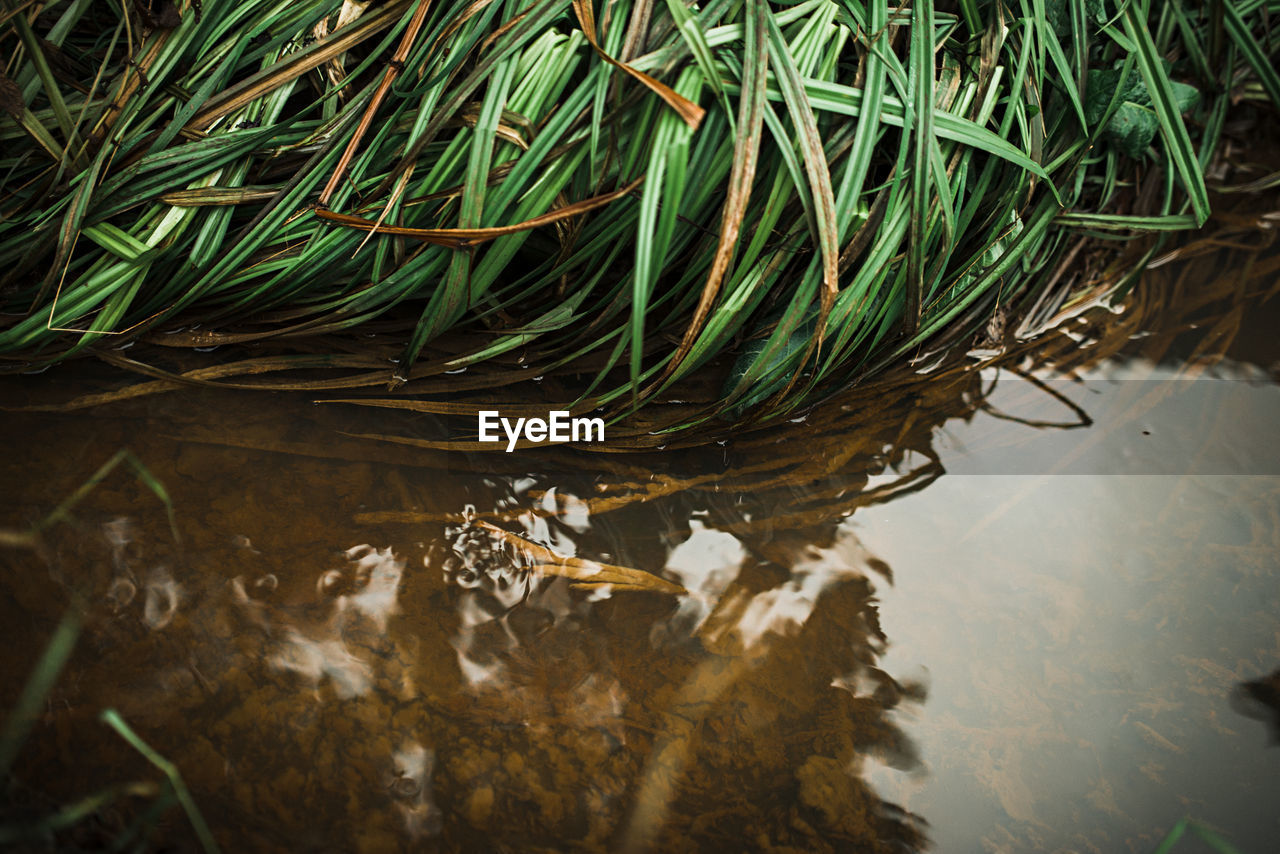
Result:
{"points": [[635, 191]]}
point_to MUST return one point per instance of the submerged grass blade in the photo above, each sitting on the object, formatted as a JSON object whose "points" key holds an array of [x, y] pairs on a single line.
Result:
{"points": [[1185, 824], [63, 510], [112, 718], [41, 681]]}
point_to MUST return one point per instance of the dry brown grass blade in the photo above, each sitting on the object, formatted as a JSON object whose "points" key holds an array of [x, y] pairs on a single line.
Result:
{"points": [[467, 445], [690, 112], [636, 493], [542, 559], [614, 587], [167, 381], [297, 65], [336, 70], [513, 127], [418, 517], [468, 410], [351, 452], [246, 367], [7, 14], [475, 8], [217, 196], [461, 238], [129, 83], [861, 238], [184, 338], [912, 481], [745, 157], [394, 67], [615, 445], [85, 401]]}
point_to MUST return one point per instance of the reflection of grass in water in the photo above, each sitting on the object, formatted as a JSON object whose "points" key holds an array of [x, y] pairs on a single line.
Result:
{"points": [[45, 675], [1214, 841]]}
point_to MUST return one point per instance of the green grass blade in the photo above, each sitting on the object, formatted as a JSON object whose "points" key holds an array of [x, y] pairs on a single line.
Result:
{"points": [[696, 39], [920, 82], [746, 152], [41, 681], [112, 719], [1261, 64], [1172, 129], [815, 163]]}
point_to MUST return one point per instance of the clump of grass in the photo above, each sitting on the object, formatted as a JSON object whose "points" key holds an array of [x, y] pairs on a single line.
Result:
{"points": [[637, 188]]}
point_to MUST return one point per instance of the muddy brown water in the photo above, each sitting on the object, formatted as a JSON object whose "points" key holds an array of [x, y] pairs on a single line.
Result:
{"points": [[1019, 619]]}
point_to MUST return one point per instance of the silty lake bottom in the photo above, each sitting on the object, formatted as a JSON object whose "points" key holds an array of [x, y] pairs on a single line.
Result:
{"points": [[1033, 607]]}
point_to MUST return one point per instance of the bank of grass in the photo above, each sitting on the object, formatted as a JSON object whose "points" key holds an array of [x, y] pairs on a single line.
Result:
{"points": [[629, 190]]}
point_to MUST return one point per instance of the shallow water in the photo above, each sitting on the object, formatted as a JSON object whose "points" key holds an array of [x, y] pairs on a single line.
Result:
{"points": [[967, 625]]}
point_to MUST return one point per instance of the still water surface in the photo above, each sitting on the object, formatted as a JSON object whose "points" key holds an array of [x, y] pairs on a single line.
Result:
{"points": [[974, 624]]}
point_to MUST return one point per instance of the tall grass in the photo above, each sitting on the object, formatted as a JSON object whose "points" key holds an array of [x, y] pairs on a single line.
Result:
{"points": [[637, 188]]}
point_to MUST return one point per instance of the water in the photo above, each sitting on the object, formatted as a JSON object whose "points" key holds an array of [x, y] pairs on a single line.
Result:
{"points": [[915, 620]]}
